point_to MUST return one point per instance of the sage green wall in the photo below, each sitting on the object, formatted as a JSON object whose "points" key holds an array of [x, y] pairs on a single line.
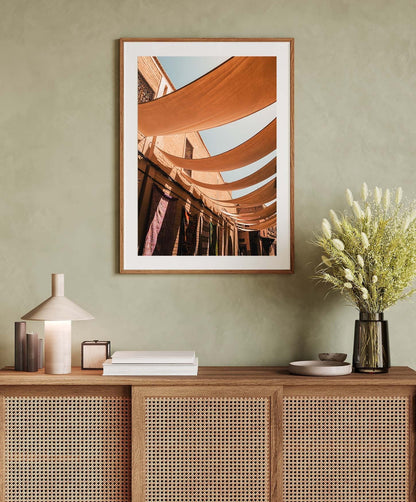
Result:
{"points": [[355, 120]]}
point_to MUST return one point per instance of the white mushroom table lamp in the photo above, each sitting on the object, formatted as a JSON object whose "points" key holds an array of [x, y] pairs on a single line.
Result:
{"points": [[57, 312]]}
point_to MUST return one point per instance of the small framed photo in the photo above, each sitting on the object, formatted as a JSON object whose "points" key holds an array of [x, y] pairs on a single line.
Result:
{"points": [[94, 353], [206, 155]]}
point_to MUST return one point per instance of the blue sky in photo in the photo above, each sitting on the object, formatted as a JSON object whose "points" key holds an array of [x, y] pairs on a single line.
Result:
{"points": [[186, 69]]}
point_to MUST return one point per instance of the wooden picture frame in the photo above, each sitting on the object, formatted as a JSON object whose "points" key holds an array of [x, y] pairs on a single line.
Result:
{"points": [[206, 163]]}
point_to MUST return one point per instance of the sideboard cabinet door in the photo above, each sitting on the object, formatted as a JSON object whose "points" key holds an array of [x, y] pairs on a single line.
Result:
{"points": [[63, 444], [204, 444], [354, 447]]}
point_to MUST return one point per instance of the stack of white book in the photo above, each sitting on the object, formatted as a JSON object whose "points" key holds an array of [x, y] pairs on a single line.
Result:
{"points": [[151, 363]]}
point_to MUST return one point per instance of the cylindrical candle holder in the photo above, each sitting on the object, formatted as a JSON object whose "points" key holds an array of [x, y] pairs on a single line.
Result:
{"points": [[41, 359], [20, 346], [32, 351]]}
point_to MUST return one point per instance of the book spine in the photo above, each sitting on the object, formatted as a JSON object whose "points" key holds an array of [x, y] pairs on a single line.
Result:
{"points": [[180, 370], [149, 360], [149, 357], [32, 351], [109, 372]]}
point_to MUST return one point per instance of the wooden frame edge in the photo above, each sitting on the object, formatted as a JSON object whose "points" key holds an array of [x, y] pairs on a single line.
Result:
{"points": [[121, 159], [292, 155], [291, 269], [205, 39]]}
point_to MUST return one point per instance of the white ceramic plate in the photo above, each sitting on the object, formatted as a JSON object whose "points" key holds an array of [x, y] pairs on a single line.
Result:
{"points": [[319, 368]]}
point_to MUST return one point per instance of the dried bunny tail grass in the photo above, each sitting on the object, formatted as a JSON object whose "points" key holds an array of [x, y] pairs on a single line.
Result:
{"points": [[326, 228], [377, 196], [370, 256], [399, 195], [349, 197], [335, 220], [364, 191]]}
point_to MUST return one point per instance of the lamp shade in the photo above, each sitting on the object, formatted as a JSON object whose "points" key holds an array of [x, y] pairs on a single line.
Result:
{"points": [[57, 307]]}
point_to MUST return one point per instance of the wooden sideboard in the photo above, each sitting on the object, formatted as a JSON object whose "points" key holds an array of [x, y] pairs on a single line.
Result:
{"points": [[231, 434]]}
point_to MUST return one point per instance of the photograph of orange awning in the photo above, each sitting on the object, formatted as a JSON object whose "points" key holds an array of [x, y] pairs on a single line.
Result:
{"points": [[215, 99], [257, 147], [237, 184], [258, 176]]}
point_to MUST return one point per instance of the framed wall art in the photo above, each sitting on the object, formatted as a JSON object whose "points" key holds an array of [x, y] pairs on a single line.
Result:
{"points": [[206, 155]]}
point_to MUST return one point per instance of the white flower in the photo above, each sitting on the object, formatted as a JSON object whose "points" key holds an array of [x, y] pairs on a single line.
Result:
{"points": [[406, 223], [348, 274], [364, 191], [349, 196], [326, 228], [399, 195], [347, 285], [326, 261], [386, 199], [335, 221], [327, 277], [364, 293], [368, 213], [377, 195], [338, 244], [374, 279], [360, 260], [364, 240], [360, 278], [356, 209]]}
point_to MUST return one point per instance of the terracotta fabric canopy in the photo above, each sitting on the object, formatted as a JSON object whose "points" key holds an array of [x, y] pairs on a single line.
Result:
{"points": [[256, 223], [249, 205], [255, 208], [260, 175], [255, 148], [263, 213], [261, 226], [258, 197], [235, 89]]}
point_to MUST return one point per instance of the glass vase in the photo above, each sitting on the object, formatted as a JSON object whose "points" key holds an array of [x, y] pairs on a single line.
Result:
{"points": [[371, 344]]}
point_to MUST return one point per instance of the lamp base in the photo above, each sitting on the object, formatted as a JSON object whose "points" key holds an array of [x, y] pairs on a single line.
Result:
{"points": [[57, 347]]}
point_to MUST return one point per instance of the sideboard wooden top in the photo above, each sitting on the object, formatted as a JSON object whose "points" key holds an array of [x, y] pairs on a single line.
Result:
{"points": [[211, 375]]}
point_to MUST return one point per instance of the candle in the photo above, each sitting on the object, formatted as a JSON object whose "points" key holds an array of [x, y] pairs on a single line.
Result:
{"points": [[20, 346]]}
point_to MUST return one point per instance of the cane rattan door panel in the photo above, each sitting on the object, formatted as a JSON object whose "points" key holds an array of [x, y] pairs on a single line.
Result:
{"points": [[346, 449], [67, 449], [208, 448]]}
